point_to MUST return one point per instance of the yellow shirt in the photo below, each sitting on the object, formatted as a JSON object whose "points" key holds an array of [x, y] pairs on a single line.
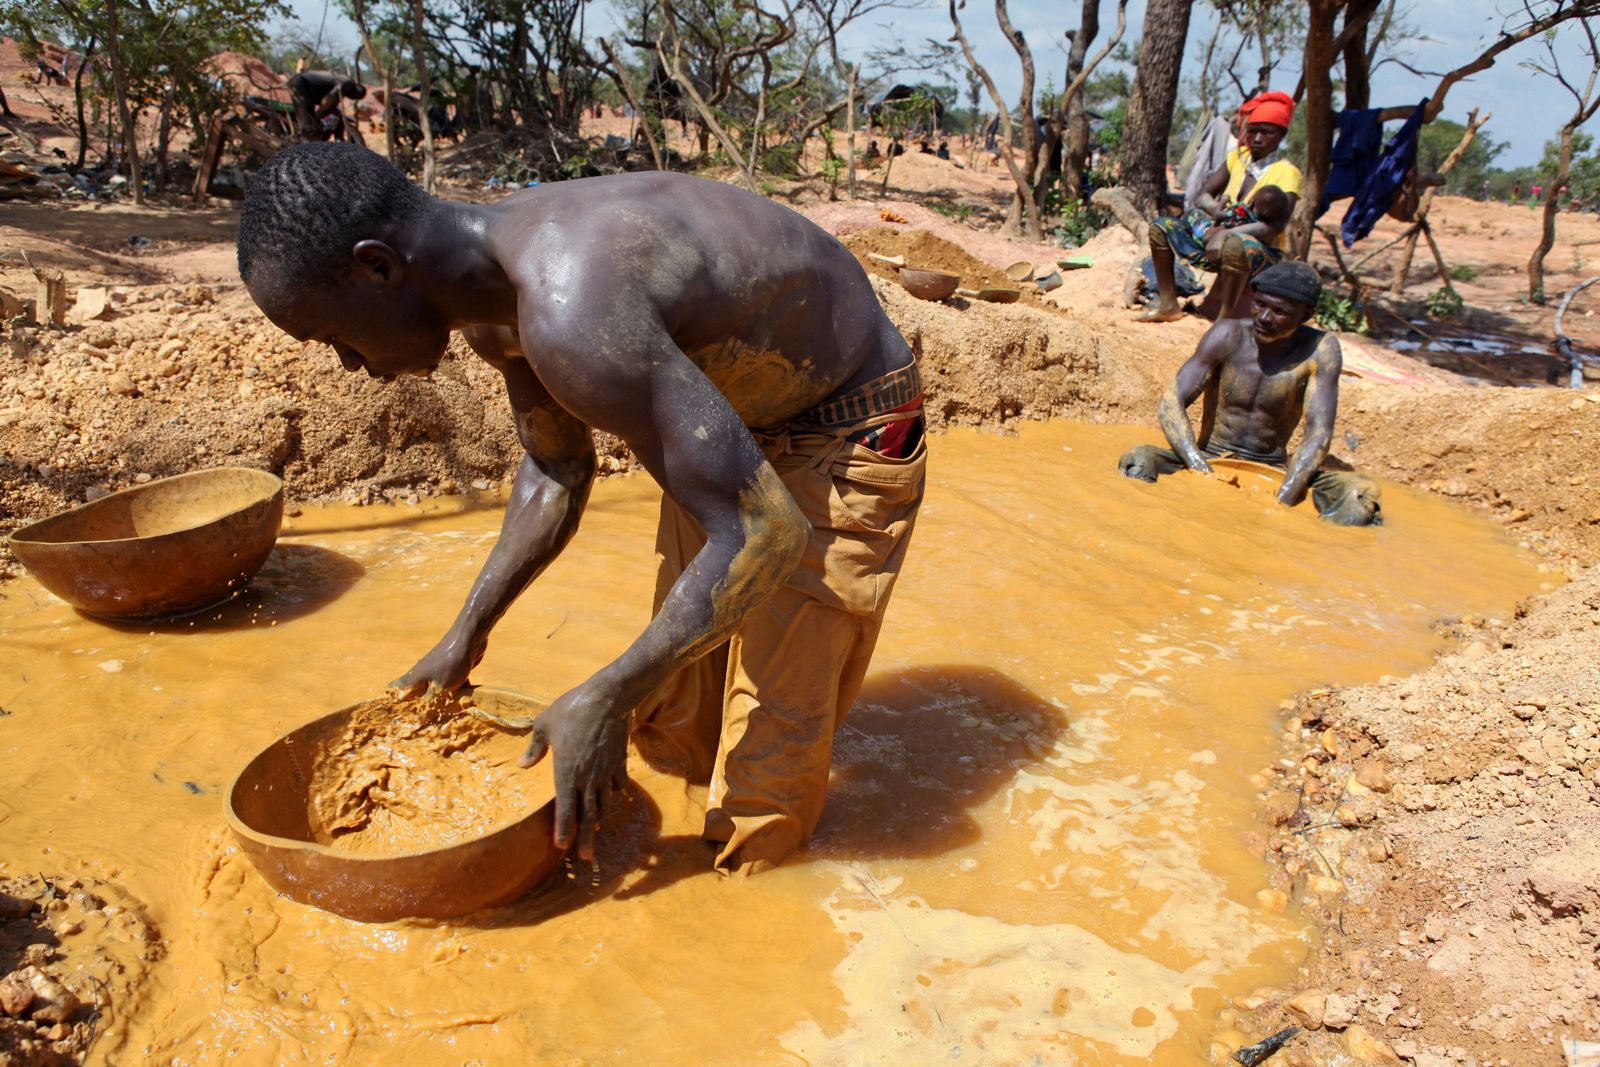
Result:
{"points": [[1283, 174]]}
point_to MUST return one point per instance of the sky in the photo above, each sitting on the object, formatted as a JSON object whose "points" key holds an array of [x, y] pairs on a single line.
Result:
{"points": [[1527, 107]]}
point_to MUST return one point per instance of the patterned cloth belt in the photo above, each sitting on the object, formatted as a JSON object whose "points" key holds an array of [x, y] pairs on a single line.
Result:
{"points": [[877, 397]]}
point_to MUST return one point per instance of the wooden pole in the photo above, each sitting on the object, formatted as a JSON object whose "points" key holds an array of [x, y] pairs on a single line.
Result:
{"points": [[1474, 124], [850, 127]]}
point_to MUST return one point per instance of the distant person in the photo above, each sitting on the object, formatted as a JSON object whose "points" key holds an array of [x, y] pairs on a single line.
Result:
{"points": [[944, 150], [1485, 196], [873, 153], [1257, 376], [1537, 190], [317, 99], [1516, 192], [1236, 226]]}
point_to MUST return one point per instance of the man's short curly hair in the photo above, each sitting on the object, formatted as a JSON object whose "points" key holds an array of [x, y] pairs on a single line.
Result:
{"points": [[310, 205]]}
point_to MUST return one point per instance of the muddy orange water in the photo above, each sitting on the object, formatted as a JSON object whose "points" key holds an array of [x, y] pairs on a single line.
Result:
{"points": [[1035, 844]]}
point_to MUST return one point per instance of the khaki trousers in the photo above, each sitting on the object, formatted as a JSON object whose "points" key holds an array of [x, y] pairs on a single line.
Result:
{"points": [[755, 718]]}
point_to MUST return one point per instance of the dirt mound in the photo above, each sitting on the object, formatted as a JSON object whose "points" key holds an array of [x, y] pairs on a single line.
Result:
{"points": [[1456, 815], [177, 380], [991, 364], [1525, 455], [923, 249]]}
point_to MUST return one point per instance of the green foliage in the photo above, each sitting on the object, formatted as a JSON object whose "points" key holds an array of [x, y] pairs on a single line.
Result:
{"points": [[1583, 180], [165, 47], [1077, 220], [1337, 311], [959, 212], [1440, 137], [1444, 303], [1461, 272], [782, 159]]}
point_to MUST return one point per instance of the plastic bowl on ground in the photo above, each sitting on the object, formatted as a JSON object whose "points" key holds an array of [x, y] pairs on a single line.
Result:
{"points": [[168, 547], [269, 812]]}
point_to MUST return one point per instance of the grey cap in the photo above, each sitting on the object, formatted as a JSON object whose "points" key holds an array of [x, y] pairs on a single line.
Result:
{"points": [[1292, 280]]}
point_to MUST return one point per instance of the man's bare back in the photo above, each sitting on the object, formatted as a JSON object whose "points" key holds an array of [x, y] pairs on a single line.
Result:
{"points": [[675, 313], [773, 309]]}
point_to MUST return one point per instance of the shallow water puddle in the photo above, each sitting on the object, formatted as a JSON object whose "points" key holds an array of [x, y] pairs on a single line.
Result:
{"points": [[1036, 841]]}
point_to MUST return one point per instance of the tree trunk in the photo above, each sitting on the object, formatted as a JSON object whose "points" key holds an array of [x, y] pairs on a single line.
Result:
{"points": [[77, 94], [119, 81], [426, 90], [1414, 235], [1075, 156], [850, 128], [1357, 63], [1018, 219], [1318, 110], [1155, 92], [1547, 236], [164, 136], [1031, 221]]}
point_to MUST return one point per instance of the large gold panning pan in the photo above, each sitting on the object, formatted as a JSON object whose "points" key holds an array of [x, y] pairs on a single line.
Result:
{"points": [[172, 546], [269, 813]]}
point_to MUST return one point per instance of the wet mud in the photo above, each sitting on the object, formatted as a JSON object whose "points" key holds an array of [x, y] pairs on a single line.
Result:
{"points": [[409, 775], [1041, 840]]}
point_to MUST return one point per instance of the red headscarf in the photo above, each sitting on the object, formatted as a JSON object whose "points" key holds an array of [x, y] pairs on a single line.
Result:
{"points": [[1274, 107]]}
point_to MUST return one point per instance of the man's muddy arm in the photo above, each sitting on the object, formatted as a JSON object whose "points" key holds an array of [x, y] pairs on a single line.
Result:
{"points": [[1173, 414], [547, 499], [695, 445], [1322, 407]]}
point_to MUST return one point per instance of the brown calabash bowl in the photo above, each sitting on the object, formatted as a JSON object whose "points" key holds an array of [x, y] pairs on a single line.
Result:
{"points": [[928, 284], [166, 548], [269, 814]]}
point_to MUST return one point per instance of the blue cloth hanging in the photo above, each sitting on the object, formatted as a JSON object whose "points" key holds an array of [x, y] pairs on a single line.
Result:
{"points": [[1377, 192], [1355, 153]]}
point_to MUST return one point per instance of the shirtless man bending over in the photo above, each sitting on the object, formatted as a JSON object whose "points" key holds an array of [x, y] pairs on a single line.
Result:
{"points": [[740, 352], [1255, 375]]}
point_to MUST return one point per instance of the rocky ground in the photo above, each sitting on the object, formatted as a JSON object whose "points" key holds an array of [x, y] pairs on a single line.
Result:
{"points": [[74, 953]]}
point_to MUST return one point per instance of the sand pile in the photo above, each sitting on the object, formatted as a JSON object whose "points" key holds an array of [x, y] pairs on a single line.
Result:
{"points": [[180, 379], [408, 775], [1524, 455], [1447, 830], [923, 249]]}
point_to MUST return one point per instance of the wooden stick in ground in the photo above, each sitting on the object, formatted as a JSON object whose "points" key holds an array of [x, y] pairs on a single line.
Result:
{"points": [[52, 299], [1438, 257], [1474, 124], [1356, 288]]}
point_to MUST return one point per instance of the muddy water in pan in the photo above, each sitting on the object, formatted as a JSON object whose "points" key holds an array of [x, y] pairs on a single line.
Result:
{"points": [[1037, 839]]}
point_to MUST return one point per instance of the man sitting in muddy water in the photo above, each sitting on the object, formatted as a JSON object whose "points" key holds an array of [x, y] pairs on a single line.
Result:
{"points": [[739, 351], [1255, 375]]}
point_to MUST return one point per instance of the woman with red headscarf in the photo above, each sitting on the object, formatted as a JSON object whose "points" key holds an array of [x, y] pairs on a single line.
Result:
{"points": [[1237, 226]]}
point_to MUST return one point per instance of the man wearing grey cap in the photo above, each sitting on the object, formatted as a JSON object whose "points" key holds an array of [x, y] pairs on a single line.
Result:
{"points": [[1258, 375]]}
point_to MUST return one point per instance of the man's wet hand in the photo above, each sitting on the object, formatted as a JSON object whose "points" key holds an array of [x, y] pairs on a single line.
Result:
{"points": [[444, 668], [588, 733]]}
